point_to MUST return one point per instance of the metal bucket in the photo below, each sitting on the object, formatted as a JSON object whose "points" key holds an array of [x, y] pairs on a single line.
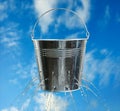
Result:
{"points": [[60, 63]]}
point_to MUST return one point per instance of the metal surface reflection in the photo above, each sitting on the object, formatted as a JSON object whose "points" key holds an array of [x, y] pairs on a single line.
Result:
{"points": [[60, 63]]}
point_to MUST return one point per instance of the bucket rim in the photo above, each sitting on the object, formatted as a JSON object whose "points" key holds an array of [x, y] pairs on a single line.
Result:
{"points": [[77, 39]]}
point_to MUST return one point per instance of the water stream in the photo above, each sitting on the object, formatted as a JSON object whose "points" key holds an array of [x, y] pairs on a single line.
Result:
{"points": [[39, 100]]}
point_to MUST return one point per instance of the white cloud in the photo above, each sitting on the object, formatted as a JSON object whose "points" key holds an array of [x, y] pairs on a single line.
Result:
{"points": [[13, 81], [107, 15], [10, 109], [3, 16], [42, 102], [9, 42], [8, 7], [84, 12], [73, 36], [9, 38], [22, 70], [105, 19], [104, 52], [94, 103], [5, 8], [50, 102], [26, 70], [34, 70], [11, 5], [41, 6], [25, 105], [102, 68], [26, 5], [70, 21]]}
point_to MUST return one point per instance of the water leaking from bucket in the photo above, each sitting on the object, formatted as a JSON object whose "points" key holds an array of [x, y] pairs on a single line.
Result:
{"points": [[85, 91]]}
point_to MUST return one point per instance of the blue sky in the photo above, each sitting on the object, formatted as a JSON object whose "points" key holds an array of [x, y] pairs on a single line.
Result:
{"points": [[18, 64]]}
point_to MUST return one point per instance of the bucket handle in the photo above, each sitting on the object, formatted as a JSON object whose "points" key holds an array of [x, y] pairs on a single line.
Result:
{"points": [[87, 33]]}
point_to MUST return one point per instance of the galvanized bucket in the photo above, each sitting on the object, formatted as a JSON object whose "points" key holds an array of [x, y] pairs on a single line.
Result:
{"points": [[60, 61]]}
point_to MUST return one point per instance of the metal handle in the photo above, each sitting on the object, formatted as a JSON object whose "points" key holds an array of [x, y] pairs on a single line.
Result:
{"points": [[87, 33]]}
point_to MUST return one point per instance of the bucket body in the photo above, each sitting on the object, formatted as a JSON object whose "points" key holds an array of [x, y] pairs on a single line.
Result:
{"points": [[60, 63]]}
